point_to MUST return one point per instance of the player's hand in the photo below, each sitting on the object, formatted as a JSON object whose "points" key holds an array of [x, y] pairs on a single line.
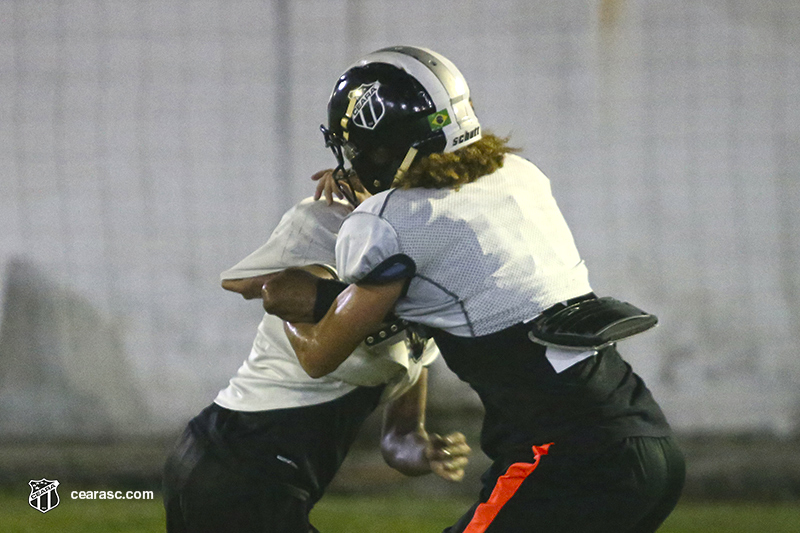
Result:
{"points": [[418, 453], [347, 188], [448, 455], [326, 186], [249, 288]]}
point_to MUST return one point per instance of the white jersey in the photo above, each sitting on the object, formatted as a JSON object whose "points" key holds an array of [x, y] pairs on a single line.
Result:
{"points": [[271, 377], [492, 254]]}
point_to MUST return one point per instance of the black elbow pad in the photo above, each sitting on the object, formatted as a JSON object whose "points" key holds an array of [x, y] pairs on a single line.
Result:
{"points": [[327, 291]]}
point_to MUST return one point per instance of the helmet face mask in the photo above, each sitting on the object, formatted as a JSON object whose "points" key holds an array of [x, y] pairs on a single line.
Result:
{"points": [[341, 175], [393, 104]]}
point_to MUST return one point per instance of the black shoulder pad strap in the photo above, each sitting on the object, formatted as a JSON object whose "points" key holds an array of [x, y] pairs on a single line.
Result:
{"points": [[591, 323]]}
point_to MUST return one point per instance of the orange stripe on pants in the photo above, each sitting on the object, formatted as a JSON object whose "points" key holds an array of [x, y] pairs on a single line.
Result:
{"points": [[504, 489]]}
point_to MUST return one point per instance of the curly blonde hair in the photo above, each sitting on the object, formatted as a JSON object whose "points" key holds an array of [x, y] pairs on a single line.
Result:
{"points": [[454, 169]]}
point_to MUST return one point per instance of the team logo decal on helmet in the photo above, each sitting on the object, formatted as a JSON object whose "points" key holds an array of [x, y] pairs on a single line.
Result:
{"points": [[369, 109]]}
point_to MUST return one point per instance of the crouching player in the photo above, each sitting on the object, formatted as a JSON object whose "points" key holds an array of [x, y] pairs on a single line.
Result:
{"points": [[262, 454]]}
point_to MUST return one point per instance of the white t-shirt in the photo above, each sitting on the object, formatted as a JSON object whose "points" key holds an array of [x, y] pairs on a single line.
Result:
{"points": [[492, 254], [271, 377]]}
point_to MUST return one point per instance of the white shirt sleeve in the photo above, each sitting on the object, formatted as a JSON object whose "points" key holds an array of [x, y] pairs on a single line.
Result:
{"points": [[306, 235], [365, 241]]}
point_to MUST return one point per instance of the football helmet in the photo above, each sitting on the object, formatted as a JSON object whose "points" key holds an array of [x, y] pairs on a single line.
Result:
{"points": [[392, 105]]}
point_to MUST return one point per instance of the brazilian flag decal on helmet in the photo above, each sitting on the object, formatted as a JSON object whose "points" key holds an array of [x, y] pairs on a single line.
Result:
{"points": [[439, 120]]}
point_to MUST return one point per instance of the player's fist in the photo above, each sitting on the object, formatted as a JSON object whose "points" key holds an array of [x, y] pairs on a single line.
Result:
{"points": [[448, 455]]}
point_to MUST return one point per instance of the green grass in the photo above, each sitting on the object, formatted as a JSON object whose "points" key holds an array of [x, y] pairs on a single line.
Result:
{"points": [[734, 518], [80, 516], [343, 514], [386, 515], [396, 515]]}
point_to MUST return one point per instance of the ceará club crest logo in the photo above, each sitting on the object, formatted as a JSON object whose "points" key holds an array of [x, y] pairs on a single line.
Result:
{"points": [[368, 109], [44, 496]]}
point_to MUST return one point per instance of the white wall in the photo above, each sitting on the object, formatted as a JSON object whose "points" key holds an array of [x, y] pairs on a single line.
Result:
{"points": [[147, 145]]}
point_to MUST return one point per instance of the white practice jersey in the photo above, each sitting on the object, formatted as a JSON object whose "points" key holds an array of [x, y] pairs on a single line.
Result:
{"points": [[492, 254], [271, 377]]}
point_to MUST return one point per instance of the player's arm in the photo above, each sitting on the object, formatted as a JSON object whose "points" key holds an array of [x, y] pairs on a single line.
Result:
{"points": [[249, 288], [407, 446], [356, 312], [292, 294]]}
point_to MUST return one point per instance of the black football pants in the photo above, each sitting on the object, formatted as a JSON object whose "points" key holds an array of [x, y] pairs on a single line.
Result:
{"points": [[259, 472], [628, 487]]}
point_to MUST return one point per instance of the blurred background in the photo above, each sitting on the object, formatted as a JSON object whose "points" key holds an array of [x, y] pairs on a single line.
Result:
{"points": [[147, 145]]}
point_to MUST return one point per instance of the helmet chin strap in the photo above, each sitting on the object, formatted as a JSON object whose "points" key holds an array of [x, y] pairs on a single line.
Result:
{"points": [[353, 97], [407, 160]]}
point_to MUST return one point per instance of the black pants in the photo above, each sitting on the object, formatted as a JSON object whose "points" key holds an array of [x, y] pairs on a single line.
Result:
{"points": [[216, 499], [259, 472], [628, 487]]}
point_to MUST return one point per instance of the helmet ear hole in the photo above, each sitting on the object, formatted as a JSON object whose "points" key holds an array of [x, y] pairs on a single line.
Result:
{"points": [[380, 155]]}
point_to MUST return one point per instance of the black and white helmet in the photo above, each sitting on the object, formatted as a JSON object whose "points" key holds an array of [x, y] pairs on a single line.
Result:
{"points": [[396, 103]]}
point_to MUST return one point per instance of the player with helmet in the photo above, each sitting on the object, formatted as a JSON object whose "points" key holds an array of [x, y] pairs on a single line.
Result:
{"points": [[261, 455], [464, 238]]}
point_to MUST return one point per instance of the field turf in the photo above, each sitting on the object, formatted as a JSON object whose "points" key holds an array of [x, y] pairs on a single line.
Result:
{"points": [[349, 514]]}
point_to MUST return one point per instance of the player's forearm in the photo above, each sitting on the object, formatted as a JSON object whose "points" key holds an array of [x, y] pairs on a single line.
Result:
{"points": [[403, 438], [356, 312], [406, 414], [318, 356]]}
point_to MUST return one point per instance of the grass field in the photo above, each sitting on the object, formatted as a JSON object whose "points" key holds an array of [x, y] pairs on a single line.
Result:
{"points": [[342, 514]]}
